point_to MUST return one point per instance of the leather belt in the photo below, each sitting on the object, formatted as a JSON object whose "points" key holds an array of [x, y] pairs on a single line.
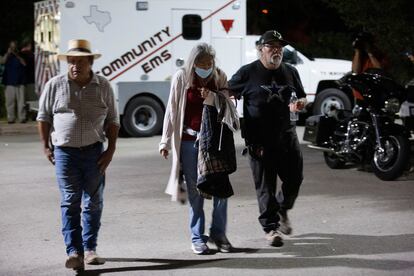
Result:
{"points": [[88, 147], [91, 146]]}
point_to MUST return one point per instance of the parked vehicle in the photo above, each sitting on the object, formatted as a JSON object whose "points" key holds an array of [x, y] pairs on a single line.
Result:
{"points": [[368, 134], [143, 43]]}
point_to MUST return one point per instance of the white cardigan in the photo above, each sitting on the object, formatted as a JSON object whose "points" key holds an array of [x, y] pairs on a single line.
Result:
{"points": [[174, 121]]}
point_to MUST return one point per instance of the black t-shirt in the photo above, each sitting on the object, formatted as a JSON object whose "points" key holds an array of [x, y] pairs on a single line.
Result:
{"points": [[265, 116]]}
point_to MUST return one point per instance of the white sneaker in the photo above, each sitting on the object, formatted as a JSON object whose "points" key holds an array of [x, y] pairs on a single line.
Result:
{"points": [[200, 248]]}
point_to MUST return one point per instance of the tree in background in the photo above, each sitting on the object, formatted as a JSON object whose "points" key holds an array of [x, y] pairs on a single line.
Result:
{"points": [[311, 26], [326, 28], [391, 22], [16, 21]]}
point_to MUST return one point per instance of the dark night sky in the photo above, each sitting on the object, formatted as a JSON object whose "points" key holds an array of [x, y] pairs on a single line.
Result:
{"points": [[16, 21]]}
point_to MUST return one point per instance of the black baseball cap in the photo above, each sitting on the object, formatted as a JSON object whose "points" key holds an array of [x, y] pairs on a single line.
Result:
{"points": [[272, 36]]}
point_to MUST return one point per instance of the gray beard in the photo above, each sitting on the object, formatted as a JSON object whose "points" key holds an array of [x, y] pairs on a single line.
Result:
{"points": [[276, 61]]}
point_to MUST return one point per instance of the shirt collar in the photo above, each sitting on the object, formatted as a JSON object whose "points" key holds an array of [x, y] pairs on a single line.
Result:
{"points": [[94, 80]]}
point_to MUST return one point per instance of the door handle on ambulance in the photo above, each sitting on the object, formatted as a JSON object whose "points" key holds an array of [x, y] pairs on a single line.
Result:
{"points": [[179, 62]]}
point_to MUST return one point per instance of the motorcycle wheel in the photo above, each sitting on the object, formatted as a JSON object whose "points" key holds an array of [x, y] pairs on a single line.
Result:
{"points": [[333, 161], [390, 164]]}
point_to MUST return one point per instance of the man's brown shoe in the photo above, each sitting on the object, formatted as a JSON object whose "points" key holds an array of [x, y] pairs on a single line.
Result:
{"points": [[75, 261], [92, 258], [274, 238], [222, 243], [284, 223]]}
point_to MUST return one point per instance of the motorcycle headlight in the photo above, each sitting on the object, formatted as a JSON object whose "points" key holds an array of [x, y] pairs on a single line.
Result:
{"points": [[392, 105]]}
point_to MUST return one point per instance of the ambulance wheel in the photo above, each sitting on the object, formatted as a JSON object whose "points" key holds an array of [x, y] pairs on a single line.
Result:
{"points": [[143, 117]]}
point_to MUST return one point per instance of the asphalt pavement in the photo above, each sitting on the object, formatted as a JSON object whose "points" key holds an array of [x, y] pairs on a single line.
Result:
{"points": [[345, 222]]}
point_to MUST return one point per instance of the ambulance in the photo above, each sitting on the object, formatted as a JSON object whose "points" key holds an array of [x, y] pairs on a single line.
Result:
{"points": [[143, 43]]}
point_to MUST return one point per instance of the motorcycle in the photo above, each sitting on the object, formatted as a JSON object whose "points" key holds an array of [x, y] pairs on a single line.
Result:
{"points": [[367, 135]]}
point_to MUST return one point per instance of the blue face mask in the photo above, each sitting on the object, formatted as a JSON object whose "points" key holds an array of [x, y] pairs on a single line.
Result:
{"points": [[203, 73]]}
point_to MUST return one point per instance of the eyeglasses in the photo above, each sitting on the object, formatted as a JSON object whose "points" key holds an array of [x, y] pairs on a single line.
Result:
{"points": [[273, 46]]}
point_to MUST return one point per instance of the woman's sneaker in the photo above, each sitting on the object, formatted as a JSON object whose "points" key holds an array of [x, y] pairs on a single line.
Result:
{"points": [[222, 243], [200, 248]]}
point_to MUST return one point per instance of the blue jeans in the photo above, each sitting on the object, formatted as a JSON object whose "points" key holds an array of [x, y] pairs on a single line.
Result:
{"points": [[189, 157], [80, 180]]}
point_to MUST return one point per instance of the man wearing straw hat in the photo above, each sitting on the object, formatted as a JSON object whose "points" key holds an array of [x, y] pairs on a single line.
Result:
{"points": [[76, 111]]}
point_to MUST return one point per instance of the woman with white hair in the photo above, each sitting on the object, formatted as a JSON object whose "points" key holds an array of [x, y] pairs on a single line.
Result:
{"points": [[191, 89]]}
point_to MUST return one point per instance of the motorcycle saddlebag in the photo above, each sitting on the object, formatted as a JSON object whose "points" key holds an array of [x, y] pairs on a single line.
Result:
{"points": [[318, 128]]}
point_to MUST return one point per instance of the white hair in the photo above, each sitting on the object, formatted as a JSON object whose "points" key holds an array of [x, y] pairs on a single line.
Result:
{"points": [[199, 51]]}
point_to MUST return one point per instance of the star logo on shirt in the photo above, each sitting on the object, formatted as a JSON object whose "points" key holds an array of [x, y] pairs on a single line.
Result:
{"points": [[273, 88], [273, 92]]}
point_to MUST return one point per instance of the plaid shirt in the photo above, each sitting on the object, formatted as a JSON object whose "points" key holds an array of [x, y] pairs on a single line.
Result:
{"points": [[216, 159], [78, 115]]}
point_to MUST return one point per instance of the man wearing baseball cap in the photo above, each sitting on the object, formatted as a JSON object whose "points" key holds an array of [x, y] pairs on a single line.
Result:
{"points": [[266, 86], [76, 115]]}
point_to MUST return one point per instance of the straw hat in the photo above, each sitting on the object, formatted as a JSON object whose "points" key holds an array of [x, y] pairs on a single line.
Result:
{"points": [[78, 48]]}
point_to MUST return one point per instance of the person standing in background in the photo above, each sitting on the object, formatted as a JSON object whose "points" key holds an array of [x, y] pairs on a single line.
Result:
{"points": [[14, 80], [367, 56], [28, 56]]}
